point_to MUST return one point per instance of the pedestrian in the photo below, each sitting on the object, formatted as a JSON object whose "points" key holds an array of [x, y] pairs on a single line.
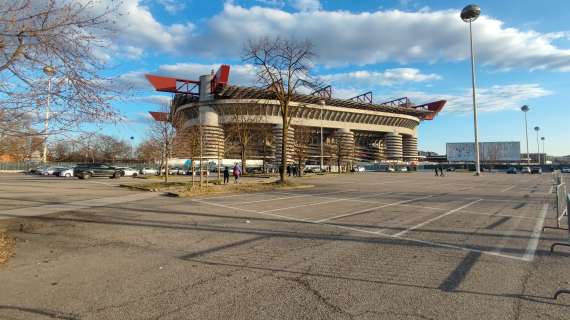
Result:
{"points": [[237, 173], [226, 175], [435, 169], [441, 171], [289, 170]]}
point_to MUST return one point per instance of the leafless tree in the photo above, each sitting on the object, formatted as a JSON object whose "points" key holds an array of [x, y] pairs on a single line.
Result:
{"points": [[282, 66], [67, 36], [164, 132], [303, 139], [244, 124]]}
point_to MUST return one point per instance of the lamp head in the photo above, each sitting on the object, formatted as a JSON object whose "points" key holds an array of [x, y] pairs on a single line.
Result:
{"points": [[470, 13], [525, 108], [542, 138], [536, 128]]}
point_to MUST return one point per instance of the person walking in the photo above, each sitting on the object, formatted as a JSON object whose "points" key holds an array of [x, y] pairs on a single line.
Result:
{"points": [[436, 173], [441, 171], [237, 173], [226, 175], [288, 170]]}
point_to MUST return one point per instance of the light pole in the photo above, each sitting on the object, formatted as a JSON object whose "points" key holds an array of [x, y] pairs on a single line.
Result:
{"points": [[49, 71], [537, 129], [132, 153], [322, 157], [543, 159], [525, 109], [469, 14]]}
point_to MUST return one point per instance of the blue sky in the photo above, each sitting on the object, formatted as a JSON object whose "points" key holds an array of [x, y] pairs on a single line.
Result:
{"points": [[400, 48]]}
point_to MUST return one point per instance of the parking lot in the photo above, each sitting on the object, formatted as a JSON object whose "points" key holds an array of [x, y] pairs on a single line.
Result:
{"points": [[362, 246]]}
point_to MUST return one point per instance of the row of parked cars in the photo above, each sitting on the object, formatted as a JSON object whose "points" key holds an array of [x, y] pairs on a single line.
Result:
{"points": [[88, 170]]}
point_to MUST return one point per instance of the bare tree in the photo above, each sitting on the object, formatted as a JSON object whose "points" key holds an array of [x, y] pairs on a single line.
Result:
{"points": [[67, 36], [303, 139], [243, 126], [163, 131], [283, 66]]}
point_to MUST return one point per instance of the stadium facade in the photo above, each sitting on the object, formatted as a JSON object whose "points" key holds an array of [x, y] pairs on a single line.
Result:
{"points": [[354, 130]]}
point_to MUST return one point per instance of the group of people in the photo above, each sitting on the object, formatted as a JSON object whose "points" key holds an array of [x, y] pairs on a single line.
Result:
{"points": [[293, 171], [440, 169], [236, 172]]}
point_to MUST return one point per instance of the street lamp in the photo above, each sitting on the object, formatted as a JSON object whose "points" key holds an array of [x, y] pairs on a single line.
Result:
{"points": [[537, 129], [132, 154], [322, 102], [525, 109], [543, 159], [49, 71], [469, 14]]}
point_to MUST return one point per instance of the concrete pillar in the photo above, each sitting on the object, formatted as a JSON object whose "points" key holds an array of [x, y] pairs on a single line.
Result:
{"points": [[393, 142], [205, 88], [410, 148], [377, 151], [346, 140], [277, 142], [212, 133]]}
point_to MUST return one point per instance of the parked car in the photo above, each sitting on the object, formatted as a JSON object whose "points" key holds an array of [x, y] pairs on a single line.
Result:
{"points": [[403, 169], [49, 171], [390, 169], [536, 170], [565, 170], [450, 169], [148, 171], [525, 170], [128, 172], [67, 173], [512, 171], [97, 170]]}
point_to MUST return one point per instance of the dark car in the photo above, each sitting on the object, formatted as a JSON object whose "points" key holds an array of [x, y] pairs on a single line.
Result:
{"points": [[450, 169], [512, 171], [86, 171]]}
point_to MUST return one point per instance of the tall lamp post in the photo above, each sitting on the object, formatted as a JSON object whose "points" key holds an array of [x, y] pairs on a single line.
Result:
{"points": [[537, 129], [543, 159], [525, 109], [132, 153], [49, 71], [322, 154], [469, 14]]}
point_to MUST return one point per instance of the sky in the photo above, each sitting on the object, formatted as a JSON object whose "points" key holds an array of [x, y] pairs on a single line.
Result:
{"points": [[405, 48]]}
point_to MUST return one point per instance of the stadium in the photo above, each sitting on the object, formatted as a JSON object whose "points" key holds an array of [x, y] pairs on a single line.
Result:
{"points": [[355, 130]]}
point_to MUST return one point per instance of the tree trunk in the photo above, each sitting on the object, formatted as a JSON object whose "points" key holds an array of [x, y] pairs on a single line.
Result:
{"points": [[243, 160], [284, 149]]}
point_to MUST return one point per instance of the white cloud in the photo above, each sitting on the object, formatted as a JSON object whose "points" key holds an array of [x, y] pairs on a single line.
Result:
{"points": [[345, 38], [154, 99], [173, 6], [386, 78], [306, 5], [491, 99], [241, 74]]}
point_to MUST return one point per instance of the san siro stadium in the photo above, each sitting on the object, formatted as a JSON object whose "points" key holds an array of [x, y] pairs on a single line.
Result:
{"points": [[355, 130]]}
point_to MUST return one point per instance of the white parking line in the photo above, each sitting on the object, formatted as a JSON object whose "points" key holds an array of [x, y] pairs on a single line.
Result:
{"points": [[507, 189], [401, 233], [371, 209], [318, 203], [535, 236], [424, 242]]}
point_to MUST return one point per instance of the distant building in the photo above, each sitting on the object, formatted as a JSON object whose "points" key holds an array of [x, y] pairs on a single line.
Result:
{"points": [[508, 151]]}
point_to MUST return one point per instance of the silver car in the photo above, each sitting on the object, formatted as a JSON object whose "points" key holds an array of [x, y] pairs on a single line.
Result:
{"points": [[67, 173]]}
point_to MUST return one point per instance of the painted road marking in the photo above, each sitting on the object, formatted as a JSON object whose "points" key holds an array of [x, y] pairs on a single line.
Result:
{"points": [[374, 208], [535, 236], [401, 233]]}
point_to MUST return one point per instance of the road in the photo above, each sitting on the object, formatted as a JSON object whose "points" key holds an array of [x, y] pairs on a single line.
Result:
{"points": [[365, 246]]}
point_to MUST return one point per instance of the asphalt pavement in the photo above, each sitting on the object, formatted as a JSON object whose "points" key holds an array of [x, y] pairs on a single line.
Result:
{"points": [[356, 246]]}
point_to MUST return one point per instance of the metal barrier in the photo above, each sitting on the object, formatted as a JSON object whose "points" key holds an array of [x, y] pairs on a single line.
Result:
{"points": [[561, 206], [566, 244]]}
